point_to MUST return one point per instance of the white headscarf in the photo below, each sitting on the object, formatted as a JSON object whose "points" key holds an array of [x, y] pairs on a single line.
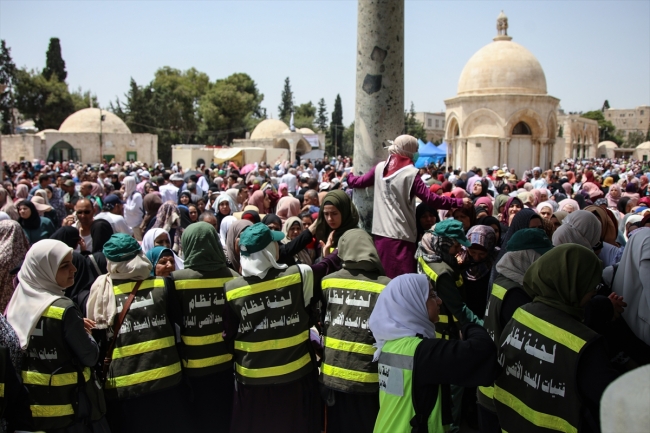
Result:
{"points": [[401, 311], [514, 264], [37, 288], [223, 228], [129, 187], [231, 202], [630, 220], [580, 227], [259, 263], [148, 243], [404, 145]]}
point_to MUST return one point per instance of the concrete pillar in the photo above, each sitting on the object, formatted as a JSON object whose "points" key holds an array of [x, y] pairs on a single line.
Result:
{"points": [[379, 108]]}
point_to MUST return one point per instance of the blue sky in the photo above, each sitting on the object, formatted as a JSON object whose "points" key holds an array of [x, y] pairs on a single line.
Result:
{"points": [[590, 50]]}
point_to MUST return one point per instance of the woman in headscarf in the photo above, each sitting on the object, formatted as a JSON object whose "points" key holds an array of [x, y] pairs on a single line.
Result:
{"points": [[425, 218], [580, 227], [560, 283], [224, 206], [411, 393], [273, 222], [232, 243], [347, 372], [458, 192], [16, 413], [499, 205], [259, 200], [466, 215], [151, 204], [13, 247], [283, 190], [479, 189], [100, 232], [208, 363], [223, 229], [185, 198], [168, 218], [631, 191], [397, 184], [159, 237], [476, 264], [51, 330], [293, 229], [545, 209], [513, 206], [287, 393], [162, 261], [22, 192], [36, 227], [581, 200], [7, 205], [133, 207], [288, 207], [568, 205], [337, 215], [614, 195], [484, 202]]}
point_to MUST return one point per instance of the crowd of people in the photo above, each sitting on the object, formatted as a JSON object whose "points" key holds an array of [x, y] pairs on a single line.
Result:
{"points": [[152, 298]]}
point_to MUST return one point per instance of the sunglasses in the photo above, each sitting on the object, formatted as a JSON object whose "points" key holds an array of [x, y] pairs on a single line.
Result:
{"points": [[84, 212]]}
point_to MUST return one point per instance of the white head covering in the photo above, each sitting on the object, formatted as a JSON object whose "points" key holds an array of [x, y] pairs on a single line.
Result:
{"points": [[4, 216], [514, 264], [148, 243], [225, 225], [544, 204], [231, 202], [129, 186], [580, 227], [37, 288], [404, 145], [630, 220], [401, 311], [259, 263]]}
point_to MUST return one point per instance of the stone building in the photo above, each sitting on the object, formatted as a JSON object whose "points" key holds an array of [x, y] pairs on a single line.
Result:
{"points": [[577, 137], [83, 136], [434, 125], [630, 120], [502, 113]]}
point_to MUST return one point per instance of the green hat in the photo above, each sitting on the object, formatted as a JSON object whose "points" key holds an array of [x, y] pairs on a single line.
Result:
{"points": [[530, 239], [121, 248], [452, 229], [256, 237]]}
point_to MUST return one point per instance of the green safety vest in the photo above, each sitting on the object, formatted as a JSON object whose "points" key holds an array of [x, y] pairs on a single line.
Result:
{"points": [[203, 301], [145, 358], [347, 356], [447, 326], [539, 351], [492, 325], [271, 346], [52, 376], [395, 389]]}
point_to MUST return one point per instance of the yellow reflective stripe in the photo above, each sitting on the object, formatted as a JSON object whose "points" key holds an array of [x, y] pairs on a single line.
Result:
{"points": [[539, 419], [264, 286], [143, 376], [207, 362], [43, 379], [208, 283], [42, 411], [353, 375], [2, 389], [280, 343], [340, 283], [487, 391], [443, 318], [127, 288], [54, 312], [202, 341], [348, 346], [459, 281], [140, 348], [498, 291], [439, 335], [258, 373], [427, 270], [549, 330]]}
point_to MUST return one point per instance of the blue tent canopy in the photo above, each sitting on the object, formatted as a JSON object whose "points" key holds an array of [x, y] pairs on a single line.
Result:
{"points": [[429, 153], [443, 147]]}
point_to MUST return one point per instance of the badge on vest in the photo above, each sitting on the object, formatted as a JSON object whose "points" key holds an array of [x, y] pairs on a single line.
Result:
{"points": [[391, 380]]}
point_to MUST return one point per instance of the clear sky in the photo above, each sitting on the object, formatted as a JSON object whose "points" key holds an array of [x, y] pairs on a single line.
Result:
{"points": [[590, 50]]}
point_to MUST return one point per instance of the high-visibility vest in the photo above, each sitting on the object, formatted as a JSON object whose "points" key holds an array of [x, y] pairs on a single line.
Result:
{"points": [[145, 358], [52, 376], [347, 356], [396, 410], [492, 324], [203, 301], [271, 346], [447, 326], [537, 390]]}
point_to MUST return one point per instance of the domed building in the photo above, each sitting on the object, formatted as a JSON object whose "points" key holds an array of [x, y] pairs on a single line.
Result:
{"points": [[642, 152], [83, 136], [502, 113]]}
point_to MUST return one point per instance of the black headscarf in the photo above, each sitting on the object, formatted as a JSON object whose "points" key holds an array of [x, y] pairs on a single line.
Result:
{"points": [[501, 187], [100, 232], [271, 218], [185, 216], [484, 189], [83, 279], [251, 216], [68, 235], [581, 200], [34, 220], [421, 210], [622, 204], [187, 194]]}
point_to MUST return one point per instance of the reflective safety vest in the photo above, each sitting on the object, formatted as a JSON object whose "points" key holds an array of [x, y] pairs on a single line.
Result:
{"points": [[396, 409], [52, 376], [447, 326], [539, 351], [492, 324], [203, 301], [145, 358], [271, 346], [347, 357]]}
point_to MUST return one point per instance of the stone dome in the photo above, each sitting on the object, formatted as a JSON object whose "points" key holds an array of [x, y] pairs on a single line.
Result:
{"points": [[269, 128], [87, 120], [502, 66], [306, 131], [645, 145], [608, 144]]}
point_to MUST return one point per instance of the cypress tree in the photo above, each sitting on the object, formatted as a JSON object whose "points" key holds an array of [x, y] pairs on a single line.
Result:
{"points": [[54, 63], [286, 106]]}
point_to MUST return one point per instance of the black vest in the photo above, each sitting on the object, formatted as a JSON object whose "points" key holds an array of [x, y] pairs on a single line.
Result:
{"points": [[539, 351], [4, 356], [271, 346], [347, 357], [448, 326]]}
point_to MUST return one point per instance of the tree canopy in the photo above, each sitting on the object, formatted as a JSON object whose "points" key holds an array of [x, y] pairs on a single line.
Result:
{"points": [[286, 105], [413, 126], [54, 63], [7, 79], [606, 129]]}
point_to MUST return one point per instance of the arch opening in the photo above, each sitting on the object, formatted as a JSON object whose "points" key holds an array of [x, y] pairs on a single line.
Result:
{"points": [[62, 151], [521, 128]]}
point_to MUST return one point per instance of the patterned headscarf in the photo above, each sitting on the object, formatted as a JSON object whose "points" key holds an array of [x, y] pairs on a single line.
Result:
{"points": [[485, 237], [435, 249], [13, 248]]}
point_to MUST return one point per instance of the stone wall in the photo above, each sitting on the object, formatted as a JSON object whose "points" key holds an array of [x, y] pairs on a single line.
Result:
{"points": [[21, 147]]}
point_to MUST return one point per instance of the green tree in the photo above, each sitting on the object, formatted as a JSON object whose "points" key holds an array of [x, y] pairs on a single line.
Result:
{"points": [[47, 102], [348, 141], [606, 129], [83, 99], [321, 118], [286, 106], [634, 138], [336, 128], [605, 105], [7, 78], [54, 63], [413, 126], [304, 116]]}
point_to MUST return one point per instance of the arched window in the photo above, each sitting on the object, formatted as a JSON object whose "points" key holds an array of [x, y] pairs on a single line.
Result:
{"points": [[521, 128], [456, 131]]}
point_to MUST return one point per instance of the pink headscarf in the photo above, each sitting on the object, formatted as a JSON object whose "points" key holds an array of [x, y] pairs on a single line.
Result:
{"points": [[592, 189], [611, 200], [257, 200], [566, 186], [288, 207], [458, 192], [487, 201], [22, 191], [283, 190]]}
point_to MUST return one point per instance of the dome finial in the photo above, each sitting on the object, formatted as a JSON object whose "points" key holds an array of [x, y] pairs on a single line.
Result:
{"points": [[502, 28]]}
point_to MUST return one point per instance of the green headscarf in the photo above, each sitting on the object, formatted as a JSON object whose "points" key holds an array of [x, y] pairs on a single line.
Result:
{"points": [[563, 276], [349, 216], [154, 255], [202, 248], [357, 251], [499, 201]]}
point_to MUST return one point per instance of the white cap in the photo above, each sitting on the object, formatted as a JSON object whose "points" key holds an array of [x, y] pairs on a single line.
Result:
{"points": [[426, 177], [175, 177], [496, 167], [324, 186]]}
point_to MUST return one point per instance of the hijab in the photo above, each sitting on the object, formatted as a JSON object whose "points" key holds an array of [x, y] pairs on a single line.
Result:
{"points": [[514, 264], [185, 217], [13, 247], [487, 201], [202, 248], [22, 192], [224, 226], [7, 205], [401, 311], [233, 234], [151, 204], [349, 216], [420, 210], [129, 187], [562, 277], [258, 264], [484, 237], [609, 230], [435, 249], [68, 235], [154, 255], [357, 251], [612, 201], [563, 204], [168, 216], [271, 218], [100, 232], [504, 215], [499, 201], [458, 192], [257, 200], [187, 194], [288, 207], [579, 227], [544, 204], [252, 216], [560, 215], [148, 243], [34, 220], [37, 288]]}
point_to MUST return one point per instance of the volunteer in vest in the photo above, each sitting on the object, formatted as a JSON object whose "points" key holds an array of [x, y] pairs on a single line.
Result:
{"points": [[416, 368], [555, 369], [267, 314], [347, 370], [207, 362], [57, 367], [142, 384], [397, 183], [524, 248]]}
